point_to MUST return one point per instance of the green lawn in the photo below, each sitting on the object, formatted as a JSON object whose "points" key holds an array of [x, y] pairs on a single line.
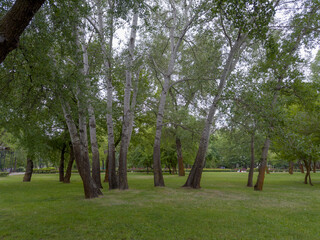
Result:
{"points": [[223, 209]]}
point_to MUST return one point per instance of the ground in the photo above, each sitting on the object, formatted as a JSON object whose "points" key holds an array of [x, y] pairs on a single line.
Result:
{"points": [[223, 209]]}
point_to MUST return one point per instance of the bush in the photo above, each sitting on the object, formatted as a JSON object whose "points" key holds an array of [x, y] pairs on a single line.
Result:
{"points": [[4, 174], [20, 169], [45, 170]]}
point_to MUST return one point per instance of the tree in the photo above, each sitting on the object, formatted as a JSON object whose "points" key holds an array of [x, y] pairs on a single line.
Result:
{"points": [[249, 25], [281, 68], [128, 109], [14, 22]]}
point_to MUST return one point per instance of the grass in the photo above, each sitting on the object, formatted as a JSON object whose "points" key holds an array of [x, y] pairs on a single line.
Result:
{"points": [[223, 209]]}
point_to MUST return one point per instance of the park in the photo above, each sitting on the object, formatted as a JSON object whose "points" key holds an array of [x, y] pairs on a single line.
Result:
{"points": [[159, 119]]}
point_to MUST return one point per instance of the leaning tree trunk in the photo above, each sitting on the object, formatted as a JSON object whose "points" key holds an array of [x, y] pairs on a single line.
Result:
{"points": [[127, 114], [61, 165], [29, 170], [291, 167], [14, 23], [69, 167], [195, 174], [179, 157], [251, 171], [263, 165], [157, 170]]}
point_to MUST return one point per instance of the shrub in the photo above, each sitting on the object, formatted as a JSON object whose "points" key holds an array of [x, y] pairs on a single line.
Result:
{"points": [[45, 170], [4, 174], [20, 169]]}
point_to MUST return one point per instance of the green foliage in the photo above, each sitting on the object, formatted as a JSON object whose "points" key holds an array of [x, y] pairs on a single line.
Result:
{"points": [[4, 174]]}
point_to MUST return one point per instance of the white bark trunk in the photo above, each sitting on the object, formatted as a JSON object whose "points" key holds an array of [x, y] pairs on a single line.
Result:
{"points": [[92, 120], [194, 177], [174, 47], [127, 113], [113, 181], [90, 188]]}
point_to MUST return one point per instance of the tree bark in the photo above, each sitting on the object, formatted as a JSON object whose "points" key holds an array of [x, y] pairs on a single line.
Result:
{"points": [[80, 150], [175, 42], [94, 147], [29, 170], [195, 174], [179, 156], [127, 113], [106, 177], [301, 167], [61, 165], [157, 169], [310, 162], [107, 56], [308, 173], [291, 167], [314, 167], [267, 170], [14, 23], [92, 120], [263, 164], [69, 167], [251, 171]]}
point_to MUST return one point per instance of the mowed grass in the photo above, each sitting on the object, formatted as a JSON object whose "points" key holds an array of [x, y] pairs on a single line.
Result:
{"points": [[224, 208]]}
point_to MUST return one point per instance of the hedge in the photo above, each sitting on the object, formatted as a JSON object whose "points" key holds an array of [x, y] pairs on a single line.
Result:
{"points": [[4, 174]]}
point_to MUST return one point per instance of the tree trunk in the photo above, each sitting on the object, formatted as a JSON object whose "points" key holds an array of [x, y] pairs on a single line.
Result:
{"points": [[112, 175], [179, 156], [127, 114], [195, 174], [94, 148], [106, 177], [69, 167], [92, 120], [310, 162], [14, 23], [251, 171], [307, 174], [291, 167], [314, 167], [157, 169], [29, 170], [175, 39], [267, 170], [61, 165], [15, 164], [301, 167], [80, 151], [263, 165]]}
